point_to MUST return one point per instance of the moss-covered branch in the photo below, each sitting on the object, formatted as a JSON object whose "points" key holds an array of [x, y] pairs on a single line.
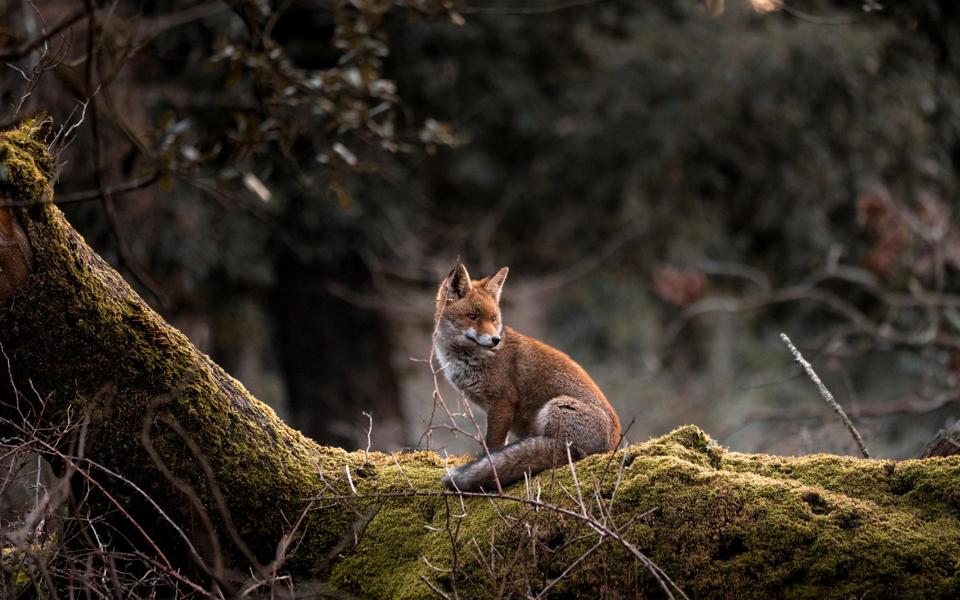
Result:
{"points": [[164, 418]]}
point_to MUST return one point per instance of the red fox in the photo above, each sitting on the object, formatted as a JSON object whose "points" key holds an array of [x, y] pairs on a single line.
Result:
{"points": [[534, 392]]}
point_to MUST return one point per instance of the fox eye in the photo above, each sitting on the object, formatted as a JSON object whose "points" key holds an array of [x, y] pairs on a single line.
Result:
{"points": [[472, 316], [493, 319]]}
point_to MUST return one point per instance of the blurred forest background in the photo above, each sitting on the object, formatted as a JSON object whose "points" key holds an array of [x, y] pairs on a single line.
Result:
{"points": [[672, 184]]}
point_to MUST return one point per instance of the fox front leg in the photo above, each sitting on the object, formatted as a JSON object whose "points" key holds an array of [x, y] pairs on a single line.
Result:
{"points": [[499, 420]]}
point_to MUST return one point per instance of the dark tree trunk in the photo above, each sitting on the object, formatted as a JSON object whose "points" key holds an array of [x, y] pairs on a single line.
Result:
{"points": [[327, 398]]}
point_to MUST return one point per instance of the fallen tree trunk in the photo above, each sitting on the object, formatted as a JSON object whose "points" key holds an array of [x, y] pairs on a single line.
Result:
{"points": [[217, 484]]}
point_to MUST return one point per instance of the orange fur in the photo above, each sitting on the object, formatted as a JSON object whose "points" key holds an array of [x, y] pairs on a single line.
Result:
{"points": [[528, 389]]}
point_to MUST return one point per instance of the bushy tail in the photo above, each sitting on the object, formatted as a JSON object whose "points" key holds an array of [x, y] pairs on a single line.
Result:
{"points": [[527, 455]]}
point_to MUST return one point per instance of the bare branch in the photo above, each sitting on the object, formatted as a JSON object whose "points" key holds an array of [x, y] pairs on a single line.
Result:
{"points": [[825, 393], [10, 54]]}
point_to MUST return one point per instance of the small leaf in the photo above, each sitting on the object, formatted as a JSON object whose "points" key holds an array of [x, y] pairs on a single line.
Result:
{"points": [[253, 183], [345, 154]]}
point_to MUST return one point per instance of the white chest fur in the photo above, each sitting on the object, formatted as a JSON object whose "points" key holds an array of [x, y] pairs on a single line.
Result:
{"points": [[462, 369]]}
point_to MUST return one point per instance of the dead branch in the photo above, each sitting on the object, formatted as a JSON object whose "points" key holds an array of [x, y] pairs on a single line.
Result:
{"points": [[825, 394]]}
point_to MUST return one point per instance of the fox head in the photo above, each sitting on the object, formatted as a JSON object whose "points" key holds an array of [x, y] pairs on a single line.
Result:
{"points": [[468, 312]]}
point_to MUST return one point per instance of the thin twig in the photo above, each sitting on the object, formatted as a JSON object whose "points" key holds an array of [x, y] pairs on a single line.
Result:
{"points": [[825, 393], [366, 451], [570, 567], [46, 35]]}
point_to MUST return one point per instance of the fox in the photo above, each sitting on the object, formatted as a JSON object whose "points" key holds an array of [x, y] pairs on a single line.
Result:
{"points": [[531, 391]]}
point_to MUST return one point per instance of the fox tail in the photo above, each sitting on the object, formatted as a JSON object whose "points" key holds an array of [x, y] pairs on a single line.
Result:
{"points": [[509, 464]]}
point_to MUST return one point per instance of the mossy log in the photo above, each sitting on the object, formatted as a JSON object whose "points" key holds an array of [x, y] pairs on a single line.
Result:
{"points": [[162, 420]]}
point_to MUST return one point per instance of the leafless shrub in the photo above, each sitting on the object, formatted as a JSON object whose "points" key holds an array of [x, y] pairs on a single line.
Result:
{"points": [[64, 534], [890, 292]]}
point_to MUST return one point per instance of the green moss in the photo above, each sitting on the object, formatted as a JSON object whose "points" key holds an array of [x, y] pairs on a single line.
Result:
{"points": [[25, 165], [92, 346], [17, 571], [724, 524], [719, 523]]}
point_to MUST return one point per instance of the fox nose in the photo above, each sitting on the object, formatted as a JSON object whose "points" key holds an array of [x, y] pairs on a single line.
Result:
{"points": [[495, 340]]}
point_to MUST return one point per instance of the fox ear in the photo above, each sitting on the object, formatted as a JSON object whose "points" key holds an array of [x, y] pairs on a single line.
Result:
{"points": [[495, 284], [458, 282]]}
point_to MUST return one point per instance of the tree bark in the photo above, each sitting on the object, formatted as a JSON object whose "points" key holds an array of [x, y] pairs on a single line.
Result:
{"points": [[946, 442], [163, 421], [327, 398]]}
